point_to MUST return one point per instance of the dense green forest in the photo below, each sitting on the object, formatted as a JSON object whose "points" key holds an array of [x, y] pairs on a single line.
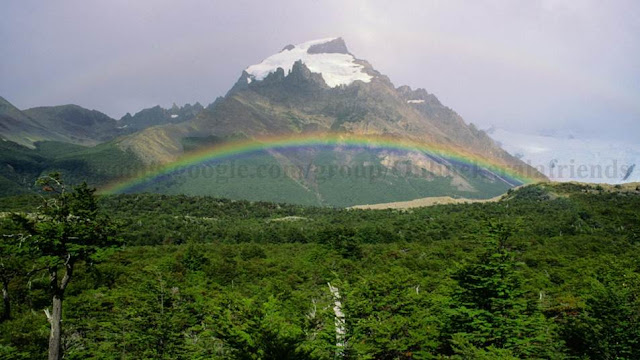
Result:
{"points": [[344, 178], [552, 271], [97, 165]]}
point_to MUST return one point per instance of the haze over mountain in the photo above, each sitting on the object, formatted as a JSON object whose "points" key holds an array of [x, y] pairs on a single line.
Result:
{"points": [[521, 66]]}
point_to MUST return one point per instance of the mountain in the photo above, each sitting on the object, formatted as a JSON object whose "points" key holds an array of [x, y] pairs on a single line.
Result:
{"points": [[570, 158], [160, 116], [320, 88], [315, 90], [76, 124], [65, 138], [65, 123], [73, 140], [18, 127]]}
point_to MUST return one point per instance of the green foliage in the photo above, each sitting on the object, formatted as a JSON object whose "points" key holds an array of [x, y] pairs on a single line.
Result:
{"points": [[551, 272], [97, 165], [464, 350], [24, 337], [14, 259], [490, 306], [305, 176], [68, 228], [608, 326]]}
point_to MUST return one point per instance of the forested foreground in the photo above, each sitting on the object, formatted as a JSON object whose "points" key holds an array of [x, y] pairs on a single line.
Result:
{"points": [[550, 272]]}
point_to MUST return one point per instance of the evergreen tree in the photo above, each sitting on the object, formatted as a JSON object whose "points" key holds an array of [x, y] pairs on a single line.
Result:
{"points": [[492, 311]]}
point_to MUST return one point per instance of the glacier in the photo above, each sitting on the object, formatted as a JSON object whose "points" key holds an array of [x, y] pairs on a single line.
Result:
{"points": [[566, 158]]}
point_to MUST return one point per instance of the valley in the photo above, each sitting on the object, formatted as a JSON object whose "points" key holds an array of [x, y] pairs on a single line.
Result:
{"points": [[313, 208]]}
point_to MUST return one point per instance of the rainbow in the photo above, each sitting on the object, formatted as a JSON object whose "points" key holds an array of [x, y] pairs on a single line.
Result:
{"points": [[232, 149]]}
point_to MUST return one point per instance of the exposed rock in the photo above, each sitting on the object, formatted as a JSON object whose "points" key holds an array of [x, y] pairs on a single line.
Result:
{"points": [[336, 46]]}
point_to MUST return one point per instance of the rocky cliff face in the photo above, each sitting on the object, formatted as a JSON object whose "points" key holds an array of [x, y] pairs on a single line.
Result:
{"points": [[159, 116], [335, 46]]}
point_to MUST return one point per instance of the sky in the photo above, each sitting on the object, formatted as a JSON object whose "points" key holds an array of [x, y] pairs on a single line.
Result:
{"points": [[530, 66]]}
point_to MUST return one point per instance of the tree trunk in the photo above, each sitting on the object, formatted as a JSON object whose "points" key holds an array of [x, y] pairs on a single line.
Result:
{"points": [[55, 339], [6, 315], [55, 318], [339, 321]]}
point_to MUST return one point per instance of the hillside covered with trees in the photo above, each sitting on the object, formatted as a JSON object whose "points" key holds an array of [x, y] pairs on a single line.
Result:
{"points": [[552, 271]]}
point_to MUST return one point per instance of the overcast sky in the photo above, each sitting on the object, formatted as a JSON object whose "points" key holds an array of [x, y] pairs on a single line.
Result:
{"points": [[521, 65]]}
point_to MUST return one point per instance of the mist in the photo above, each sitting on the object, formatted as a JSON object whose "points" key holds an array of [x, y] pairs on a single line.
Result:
{"points": [[529, 66]]}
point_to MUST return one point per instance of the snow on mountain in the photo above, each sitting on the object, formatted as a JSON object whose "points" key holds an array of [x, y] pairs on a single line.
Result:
{"points": [[574, 159], [328, 57]]}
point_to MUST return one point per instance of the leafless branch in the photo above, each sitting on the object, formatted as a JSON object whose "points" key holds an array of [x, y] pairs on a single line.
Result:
{"points": [[48, 314]]}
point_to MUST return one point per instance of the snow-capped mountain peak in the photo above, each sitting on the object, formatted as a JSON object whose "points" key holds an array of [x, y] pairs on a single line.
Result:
{"points": [[328, 57]]}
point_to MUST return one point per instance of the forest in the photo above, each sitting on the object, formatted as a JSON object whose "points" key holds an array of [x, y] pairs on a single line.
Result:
{"points": [[551, 271]]}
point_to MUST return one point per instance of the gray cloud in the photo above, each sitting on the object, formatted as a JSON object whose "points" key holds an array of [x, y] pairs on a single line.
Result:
{"points": [[527, 65]]}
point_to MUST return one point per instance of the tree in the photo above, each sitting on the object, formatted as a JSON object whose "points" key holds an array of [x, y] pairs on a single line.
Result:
{"points": [[14, 255], [608, 325], [492, 311], [10, 267], [67, 230]]}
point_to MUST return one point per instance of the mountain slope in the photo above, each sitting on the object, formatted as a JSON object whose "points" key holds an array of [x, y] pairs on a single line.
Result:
{"points": [[318, 88], [297, 99], [18, 127], [65, 123], [76, 124], [20, 166]]}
